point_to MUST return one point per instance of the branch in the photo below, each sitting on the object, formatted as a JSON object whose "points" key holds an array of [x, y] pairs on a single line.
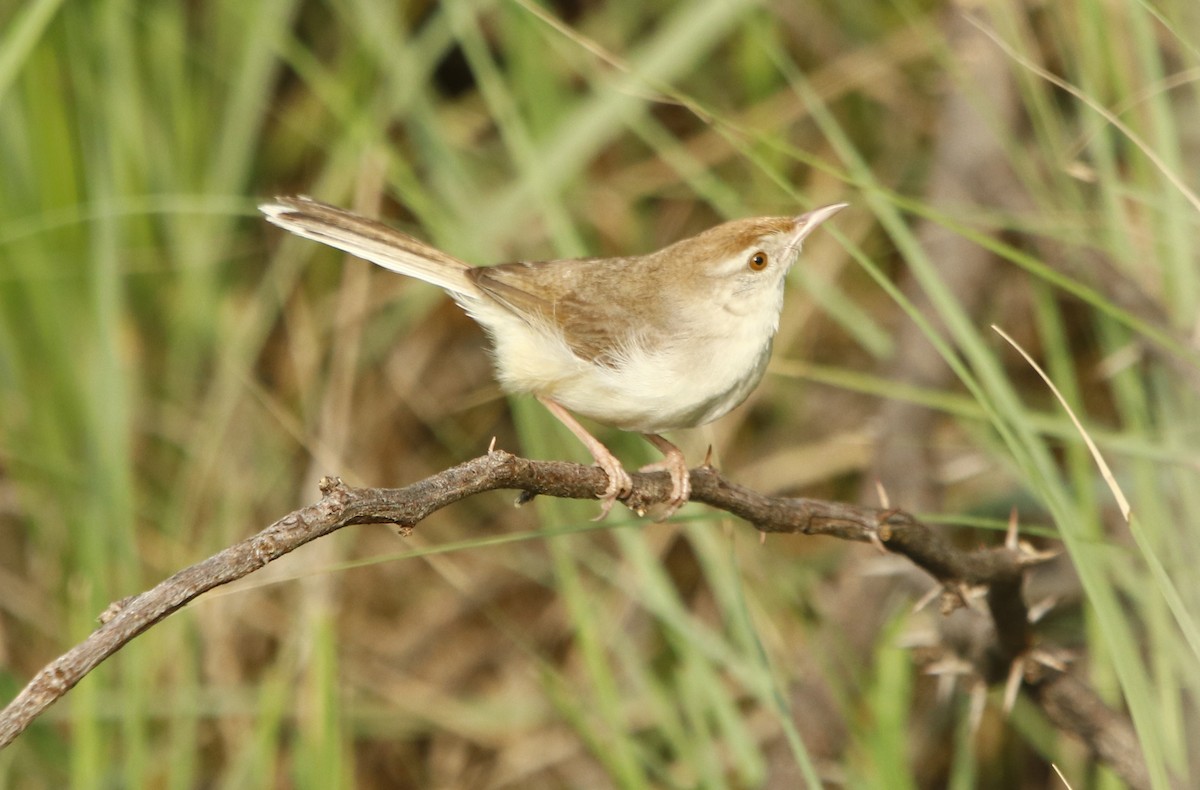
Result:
{"points": [[999, 570]]}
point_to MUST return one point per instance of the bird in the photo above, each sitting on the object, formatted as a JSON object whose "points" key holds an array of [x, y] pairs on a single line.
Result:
{"points": [[648, 343]]}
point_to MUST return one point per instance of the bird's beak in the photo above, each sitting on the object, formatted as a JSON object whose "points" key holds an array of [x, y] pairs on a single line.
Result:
{"points": [[808, 222]]}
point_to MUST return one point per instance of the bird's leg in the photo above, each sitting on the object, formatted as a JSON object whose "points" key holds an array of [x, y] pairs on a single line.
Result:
{"points": [[619, 482], [675, 465]]}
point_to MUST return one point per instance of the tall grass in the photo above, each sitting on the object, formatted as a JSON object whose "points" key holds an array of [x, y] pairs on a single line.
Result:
{"points": [[173, 375]]}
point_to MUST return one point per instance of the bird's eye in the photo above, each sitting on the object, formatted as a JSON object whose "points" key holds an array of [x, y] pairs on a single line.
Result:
{"points": [[758, 261]]}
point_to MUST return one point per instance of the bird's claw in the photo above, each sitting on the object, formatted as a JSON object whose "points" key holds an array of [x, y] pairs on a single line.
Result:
{"points": [[620, 485]]}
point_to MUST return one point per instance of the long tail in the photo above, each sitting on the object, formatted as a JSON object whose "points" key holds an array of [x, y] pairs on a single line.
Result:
{"points": [[370, 240]]}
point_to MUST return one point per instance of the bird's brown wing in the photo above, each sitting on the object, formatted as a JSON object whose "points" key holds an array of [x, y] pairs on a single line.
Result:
{"points": [[561, 294]]}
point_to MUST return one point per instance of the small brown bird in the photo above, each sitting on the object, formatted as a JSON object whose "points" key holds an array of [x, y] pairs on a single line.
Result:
{"points": [[648, 343]]}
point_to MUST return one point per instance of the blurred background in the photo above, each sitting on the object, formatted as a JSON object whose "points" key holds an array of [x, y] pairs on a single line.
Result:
{"points": [[175, 374]]}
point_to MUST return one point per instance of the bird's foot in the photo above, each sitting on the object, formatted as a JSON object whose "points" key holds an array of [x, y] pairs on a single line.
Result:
{"points": [[620, 484], [675, 465]]}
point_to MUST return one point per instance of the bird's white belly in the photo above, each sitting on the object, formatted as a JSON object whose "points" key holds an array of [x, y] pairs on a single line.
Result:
{"points": [[646, 391]]}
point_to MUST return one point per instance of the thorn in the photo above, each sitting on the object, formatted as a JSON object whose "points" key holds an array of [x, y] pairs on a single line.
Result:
{"points": [[950, 665], [1011, 537], [927, 598], [1016, 675], [947, 671], [762, 538], [978, 701], [1031, 556], [972, 594], [945, 688], [1047, 659], [492, 446], [1039, 610], [885, 501], [708, 457], [876, 541]]}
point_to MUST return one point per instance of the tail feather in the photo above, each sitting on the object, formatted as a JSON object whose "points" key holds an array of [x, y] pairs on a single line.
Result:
{"points": [[370, 240]]}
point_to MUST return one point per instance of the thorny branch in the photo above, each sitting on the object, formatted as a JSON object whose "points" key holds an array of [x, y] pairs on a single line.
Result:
{"points": [[1069, 703]]}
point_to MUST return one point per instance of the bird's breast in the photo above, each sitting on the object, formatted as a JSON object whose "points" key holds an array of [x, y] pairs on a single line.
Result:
{"points": [[685, 375], [678, 385]]}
